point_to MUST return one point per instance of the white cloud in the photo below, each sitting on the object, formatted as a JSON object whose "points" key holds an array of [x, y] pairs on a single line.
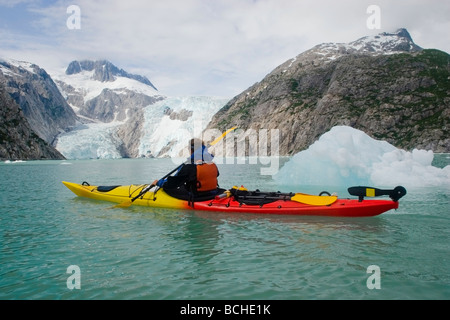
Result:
{"points": [[218, 47]]}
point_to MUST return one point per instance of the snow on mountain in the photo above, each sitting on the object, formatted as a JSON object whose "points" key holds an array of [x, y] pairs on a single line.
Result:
{"points": [[28, 66], [85, 85], [99, 91], [383, 43], [104, 71]]}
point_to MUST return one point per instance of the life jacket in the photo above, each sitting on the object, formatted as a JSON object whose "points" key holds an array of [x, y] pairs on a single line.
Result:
{"points": [[207, 177]]}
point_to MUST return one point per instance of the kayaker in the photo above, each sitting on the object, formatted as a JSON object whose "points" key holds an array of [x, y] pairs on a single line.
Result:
{"points": [[195, 179]]}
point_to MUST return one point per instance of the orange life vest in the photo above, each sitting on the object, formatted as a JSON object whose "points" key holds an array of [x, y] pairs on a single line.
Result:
{"points": [[207, 177]]}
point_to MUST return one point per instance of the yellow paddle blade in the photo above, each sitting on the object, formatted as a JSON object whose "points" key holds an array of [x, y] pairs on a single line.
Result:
{"points": [[314, 200], [223, 135], [124, 204]]}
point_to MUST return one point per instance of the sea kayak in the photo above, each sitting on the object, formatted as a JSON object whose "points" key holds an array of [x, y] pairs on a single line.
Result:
{"points": [[240, 200]]}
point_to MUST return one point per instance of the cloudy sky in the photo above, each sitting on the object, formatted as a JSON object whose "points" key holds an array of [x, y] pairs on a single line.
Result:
{"points": [[203, 47]]}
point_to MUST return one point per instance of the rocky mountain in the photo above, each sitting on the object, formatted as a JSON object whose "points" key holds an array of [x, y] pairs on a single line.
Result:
{"points": [[101, 93], [103, 71], [17, 140], [384, 85], [42, 104], [110, 105]]}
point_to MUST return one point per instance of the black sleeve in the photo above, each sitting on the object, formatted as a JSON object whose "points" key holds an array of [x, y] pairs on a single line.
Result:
{"points": [[186, 175]]}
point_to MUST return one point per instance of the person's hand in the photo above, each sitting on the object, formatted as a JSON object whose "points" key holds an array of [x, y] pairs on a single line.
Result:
{"points": [[155, 182]]}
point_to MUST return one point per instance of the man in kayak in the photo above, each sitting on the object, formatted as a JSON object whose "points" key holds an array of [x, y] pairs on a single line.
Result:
{"points": [[196, 179]]}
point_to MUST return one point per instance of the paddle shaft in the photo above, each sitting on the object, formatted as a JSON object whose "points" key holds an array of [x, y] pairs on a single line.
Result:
{"points": [[146, 189]]}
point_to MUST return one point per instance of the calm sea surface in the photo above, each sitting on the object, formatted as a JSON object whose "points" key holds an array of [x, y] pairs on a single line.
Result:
{"points": [[144, 253]]}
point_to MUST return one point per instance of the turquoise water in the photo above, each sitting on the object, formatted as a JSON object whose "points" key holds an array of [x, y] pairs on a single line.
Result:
{"points": [[144, 253]]}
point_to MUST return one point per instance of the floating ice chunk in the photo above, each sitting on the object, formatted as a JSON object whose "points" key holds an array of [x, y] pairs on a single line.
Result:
{"points": [[410, 169], [345, 156]]}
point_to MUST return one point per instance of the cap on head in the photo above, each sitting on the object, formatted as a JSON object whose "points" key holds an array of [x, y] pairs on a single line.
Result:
{"points": [[195, 144]]}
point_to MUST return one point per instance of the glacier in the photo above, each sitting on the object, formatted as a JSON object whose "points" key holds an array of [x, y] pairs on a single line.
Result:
{"points": [[161, 136], [345, 156], [91, 141], [166, 137]]}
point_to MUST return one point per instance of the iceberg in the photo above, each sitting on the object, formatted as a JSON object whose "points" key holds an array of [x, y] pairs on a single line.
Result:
{"points": [[345, 156]]}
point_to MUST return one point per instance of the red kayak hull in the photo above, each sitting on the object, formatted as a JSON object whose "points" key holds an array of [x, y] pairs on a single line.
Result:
{"points": [[340, 208]]}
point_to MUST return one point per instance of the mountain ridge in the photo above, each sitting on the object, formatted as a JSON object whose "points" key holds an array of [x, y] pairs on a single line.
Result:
{"points": [[104, 71], [39, 98], [398, 92]]}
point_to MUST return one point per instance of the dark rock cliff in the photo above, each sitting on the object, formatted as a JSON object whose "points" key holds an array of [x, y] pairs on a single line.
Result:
{"points": [[17, 140], [40, 100]]}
